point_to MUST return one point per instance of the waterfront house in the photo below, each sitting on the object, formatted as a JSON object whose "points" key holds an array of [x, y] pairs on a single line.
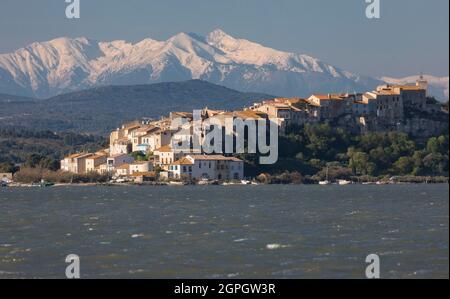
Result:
{"points": [[123, 170], [92, 162], [140, 166], [208, 167], [141, 177], [75, 163], [115, 161]]}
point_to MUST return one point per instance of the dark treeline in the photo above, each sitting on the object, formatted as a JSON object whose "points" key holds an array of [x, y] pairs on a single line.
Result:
{"points": [[315, 150], [41, 149]]}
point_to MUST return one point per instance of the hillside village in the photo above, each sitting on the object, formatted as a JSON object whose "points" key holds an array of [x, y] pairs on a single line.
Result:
{"points": [[144, 150]]}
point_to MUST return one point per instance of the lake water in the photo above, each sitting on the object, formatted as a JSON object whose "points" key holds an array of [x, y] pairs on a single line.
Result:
{"points": [[225, 232]]}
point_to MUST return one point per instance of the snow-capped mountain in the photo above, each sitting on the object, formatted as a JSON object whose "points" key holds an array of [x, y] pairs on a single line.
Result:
{"points": [[62, 65], [437, 86]]}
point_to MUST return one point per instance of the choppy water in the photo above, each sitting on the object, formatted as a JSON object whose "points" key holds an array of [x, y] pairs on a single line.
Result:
{"points": [[225, 232]]}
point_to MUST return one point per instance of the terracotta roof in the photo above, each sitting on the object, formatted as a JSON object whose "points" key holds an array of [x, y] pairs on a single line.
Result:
{"points": [[117, 155], [295, 100], [84, 156], [215, 158], [183, 161], [97, 156], [181, 114], [327, 96], [102, 152], [131, 125], [387, 92], [73, 156], [147, 128], [139, 162], [123, 166], [164, 149], [409, 87], [147, 173]]}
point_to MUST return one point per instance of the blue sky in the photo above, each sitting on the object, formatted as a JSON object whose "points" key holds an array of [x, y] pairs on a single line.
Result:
{"points": [[410, 38]]}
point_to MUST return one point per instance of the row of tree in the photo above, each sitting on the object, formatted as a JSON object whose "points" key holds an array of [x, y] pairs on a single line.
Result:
{"points": [[314, 150]]}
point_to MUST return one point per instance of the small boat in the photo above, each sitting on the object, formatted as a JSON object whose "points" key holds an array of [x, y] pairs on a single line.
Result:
{"points": [[245, 182], [326, 182], [45, 184], [344, 182]]}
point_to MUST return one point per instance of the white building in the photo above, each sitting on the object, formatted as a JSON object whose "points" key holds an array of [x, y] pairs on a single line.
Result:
{"points": [[115, 161], [212, 167], [156, 139], [95, 161], [165, 156], [75, 163], [140, 167]]}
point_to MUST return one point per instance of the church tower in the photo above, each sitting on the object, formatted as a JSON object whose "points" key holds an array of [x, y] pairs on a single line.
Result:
{"points": [[422, 83]]}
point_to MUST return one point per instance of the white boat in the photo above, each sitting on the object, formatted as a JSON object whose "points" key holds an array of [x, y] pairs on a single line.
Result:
{"points": [[245, 182], [344, 182], [326, 182]]}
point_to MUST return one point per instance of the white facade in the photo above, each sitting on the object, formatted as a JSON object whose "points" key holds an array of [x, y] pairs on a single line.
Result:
{"points": [[117, 160], [209, 167], [140, 167]]}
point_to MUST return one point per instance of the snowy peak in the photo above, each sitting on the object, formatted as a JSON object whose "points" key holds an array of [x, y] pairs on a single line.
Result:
{"points": [[64, 64]]}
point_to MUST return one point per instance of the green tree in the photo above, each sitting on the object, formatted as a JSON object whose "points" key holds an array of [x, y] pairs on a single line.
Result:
{"points": [[404, 165], [360, 164]]}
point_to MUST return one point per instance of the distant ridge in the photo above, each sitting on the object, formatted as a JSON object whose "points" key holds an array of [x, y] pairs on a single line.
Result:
{"points": [[102, 109]]}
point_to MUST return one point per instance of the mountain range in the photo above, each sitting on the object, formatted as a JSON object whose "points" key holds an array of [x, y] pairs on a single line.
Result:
{"points": [[46, 69], [63, 65]]}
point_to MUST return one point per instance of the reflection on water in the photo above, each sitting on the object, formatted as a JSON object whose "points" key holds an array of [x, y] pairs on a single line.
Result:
{"points": [[225, 232]]}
